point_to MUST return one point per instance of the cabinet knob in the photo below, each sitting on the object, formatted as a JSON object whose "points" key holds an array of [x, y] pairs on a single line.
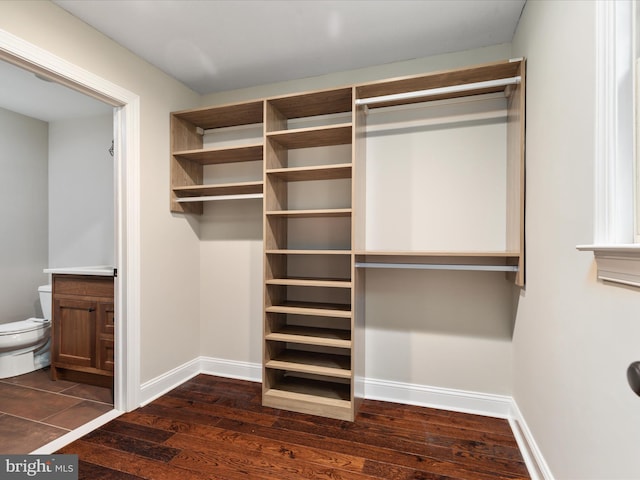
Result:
{"points": [[92, 309]]}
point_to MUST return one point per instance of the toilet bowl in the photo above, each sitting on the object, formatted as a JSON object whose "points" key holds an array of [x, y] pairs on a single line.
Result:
{"points": [[24, 345]]}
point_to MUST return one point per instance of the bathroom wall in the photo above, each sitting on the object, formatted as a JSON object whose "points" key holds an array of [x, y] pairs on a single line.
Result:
{"points": [[81, 192], [23, 214]]}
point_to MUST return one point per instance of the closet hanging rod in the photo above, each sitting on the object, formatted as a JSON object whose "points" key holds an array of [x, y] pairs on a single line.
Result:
{"points": [[439, 266], [501, 82]]}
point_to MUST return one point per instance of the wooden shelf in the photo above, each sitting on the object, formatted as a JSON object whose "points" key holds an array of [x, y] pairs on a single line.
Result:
{"points": [[336, 310], [241, 188], [438, 253], [315, 363], [188, 128], [307, 252], [213, 156], [310, 282], [312, 104], [326, 337], [315, 397], [326, 212], [224, 116], [323, 172], [324, 136], [478, 261]]}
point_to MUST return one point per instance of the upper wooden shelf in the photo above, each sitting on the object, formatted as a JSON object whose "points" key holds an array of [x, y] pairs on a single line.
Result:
{"points": [[224, 115], [234, 154], [323, 102], [321, 172], [324, 136]]}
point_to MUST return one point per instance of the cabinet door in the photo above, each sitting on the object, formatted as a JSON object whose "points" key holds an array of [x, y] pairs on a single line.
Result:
{"points": [[105, 351], [74, 332]]}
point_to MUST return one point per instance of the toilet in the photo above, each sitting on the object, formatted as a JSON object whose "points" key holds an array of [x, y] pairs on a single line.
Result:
{"points": [[24, 345]]}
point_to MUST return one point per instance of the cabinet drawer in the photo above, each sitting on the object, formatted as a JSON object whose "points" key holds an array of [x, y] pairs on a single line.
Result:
{"points": [[106, 318], [83, 286]]}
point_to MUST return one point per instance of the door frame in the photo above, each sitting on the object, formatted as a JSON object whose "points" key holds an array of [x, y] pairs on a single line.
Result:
{"points": [[126, 119]]}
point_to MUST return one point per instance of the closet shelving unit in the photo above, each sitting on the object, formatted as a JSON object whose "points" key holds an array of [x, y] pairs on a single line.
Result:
{"points": [[308, 325], [313, 348], [503, 77], [189, 157]]}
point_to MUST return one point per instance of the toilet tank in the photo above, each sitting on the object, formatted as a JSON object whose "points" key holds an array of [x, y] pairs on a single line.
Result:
{"points": [[45, 300]]}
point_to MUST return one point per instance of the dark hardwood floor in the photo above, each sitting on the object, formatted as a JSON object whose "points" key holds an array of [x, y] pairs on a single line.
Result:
{"points": [[216, 428]]}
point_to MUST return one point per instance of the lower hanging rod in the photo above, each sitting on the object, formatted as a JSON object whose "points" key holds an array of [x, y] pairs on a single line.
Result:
{"points": [[439, 266]]}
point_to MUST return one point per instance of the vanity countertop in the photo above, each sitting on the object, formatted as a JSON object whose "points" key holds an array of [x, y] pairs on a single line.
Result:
{"points": [[100, 270]]}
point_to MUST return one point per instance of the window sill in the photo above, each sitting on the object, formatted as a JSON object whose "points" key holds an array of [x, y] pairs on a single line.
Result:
{"points": [[617, 263]]}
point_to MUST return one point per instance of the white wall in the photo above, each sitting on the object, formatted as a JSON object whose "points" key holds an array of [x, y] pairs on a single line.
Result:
{"points": [[446, 329], [170, 270], [574, 336], [81, 192], [23, 210]]}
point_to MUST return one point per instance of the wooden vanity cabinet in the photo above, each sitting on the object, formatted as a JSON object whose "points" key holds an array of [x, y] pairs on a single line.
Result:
{"points": [[82, 339]]}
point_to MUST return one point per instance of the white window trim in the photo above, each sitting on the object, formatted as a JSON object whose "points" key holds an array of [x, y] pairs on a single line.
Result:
{"points": [[615, 246]]}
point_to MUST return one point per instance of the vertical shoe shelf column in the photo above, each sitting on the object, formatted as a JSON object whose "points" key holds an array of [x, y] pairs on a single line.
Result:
{"points": [[308, 319]]}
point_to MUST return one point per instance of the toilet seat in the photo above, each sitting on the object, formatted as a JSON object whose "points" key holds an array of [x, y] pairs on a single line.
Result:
{"points": [[23, 326]]}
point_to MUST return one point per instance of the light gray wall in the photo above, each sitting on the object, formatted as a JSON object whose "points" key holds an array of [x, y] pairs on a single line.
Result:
{"points": [[23, 214], [81, 192], [574, 336]]}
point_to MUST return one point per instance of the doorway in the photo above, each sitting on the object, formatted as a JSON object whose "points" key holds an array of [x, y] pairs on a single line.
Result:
{"points": [[126, 211]]}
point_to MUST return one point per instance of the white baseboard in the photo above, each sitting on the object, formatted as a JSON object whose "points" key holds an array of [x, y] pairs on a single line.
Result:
{"points": [[231, 369], [435, 397], [536, 464], [160, 385], [499, 406]]}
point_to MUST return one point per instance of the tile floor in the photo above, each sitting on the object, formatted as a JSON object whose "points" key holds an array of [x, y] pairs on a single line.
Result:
{"points": [[35, 410]]}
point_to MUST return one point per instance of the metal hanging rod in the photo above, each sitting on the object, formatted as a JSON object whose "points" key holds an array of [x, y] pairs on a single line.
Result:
{"points": [[431, 92], [439, 266]]}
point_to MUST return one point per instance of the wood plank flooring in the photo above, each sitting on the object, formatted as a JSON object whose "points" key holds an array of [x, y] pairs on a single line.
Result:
{"points": [[216, 428]]}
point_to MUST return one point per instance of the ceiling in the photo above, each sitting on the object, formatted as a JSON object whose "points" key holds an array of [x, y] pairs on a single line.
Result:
{"points": [[217, 45], [22, 92]]}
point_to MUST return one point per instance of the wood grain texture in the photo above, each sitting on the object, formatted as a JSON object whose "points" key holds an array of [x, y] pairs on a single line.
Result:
{"points": [[216, 428]]}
